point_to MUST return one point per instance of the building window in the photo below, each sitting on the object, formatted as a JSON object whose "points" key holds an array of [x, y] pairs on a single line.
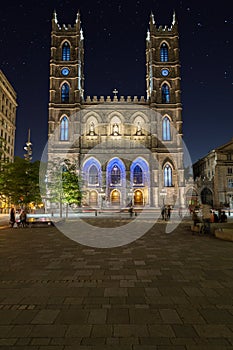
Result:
{"points": [[167, 176], [65, 92], [166, 129], [93, 175], [165, 93], [64, 129], [229, 156], [230, 183], [229, 171], [115, 175], [163, 53], [137, 175], [66, 51]]}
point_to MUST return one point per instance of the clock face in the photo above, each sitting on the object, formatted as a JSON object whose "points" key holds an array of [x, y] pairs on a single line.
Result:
{"points": [[65, 71], [164, 72]]}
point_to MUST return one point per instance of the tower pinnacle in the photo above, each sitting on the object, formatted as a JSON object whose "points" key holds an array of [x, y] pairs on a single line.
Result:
{"points": [[174, 19], [55, 16]]}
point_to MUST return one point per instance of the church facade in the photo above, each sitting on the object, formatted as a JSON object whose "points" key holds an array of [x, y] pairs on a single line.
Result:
{"points": [[128, 150]]}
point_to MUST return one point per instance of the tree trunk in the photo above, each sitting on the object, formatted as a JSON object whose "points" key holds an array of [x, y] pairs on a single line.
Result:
{"points": [[60, 208], [67, 206]]}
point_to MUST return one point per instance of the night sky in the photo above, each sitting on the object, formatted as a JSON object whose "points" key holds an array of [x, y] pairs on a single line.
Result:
{"points": [[114, 42]]}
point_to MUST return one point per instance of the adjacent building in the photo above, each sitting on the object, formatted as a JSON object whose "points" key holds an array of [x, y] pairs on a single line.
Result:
{"points": [[8, 107], [213, 176], [128, 149]]}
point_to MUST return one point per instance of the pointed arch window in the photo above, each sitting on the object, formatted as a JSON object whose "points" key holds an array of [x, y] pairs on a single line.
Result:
{"points": [[64, 129], [65, 90], [165, 93], [66, 51], [115, 175], [166, 129], [137, 175], [164, 53], [93, 175], [167, 176]]}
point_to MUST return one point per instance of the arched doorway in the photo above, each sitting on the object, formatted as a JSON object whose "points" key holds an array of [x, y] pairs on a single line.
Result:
{"points": [[206, 196], [93, 198], [138, 197], [115, 197], [191, 198]]}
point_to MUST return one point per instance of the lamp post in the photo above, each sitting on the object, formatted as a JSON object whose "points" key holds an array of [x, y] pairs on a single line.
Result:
{"points": [[28, 148]]}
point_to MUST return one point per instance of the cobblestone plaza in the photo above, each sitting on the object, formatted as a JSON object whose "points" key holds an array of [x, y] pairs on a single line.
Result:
{"points": [[163, 291]]}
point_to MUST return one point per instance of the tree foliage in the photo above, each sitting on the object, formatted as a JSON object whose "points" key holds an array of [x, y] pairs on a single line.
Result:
{"points": [[64, 182], [19, 181]]}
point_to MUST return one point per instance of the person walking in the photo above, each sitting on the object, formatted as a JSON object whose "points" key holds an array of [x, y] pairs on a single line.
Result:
{"points": [[169, 212], [23, 218], [12, 216], [131, 211], [163, 212]]}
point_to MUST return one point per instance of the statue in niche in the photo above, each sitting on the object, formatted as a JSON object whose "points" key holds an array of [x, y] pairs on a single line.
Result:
{"points": [[115, 129], [139, 129], [92, 129]]}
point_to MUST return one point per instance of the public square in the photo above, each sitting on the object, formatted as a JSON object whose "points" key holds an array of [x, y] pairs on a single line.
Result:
{"points": [[161, 292]]}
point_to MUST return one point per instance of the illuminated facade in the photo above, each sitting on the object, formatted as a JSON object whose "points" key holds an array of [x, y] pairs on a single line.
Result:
{"points": [[8, 107], [214, 177], [128, 149]]}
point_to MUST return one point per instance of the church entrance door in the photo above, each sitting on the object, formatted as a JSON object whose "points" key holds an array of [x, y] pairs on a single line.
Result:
{"points": [[93, 198], [138, 197], [115, 197]]}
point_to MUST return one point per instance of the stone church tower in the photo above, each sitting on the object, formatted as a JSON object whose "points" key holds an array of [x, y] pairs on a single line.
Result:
{"points": [[128, 149]]}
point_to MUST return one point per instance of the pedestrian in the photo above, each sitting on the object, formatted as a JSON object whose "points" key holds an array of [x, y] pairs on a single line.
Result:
{"points": [[223, 217], [163, 212], [12, 216], [212, 216], [180, 212], [131, 211], [169, 212], [216, 218], [195, 218], [23, 218]]}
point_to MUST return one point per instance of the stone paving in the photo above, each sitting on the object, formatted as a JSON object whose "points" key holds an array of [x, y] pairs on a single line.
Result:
{"points": [[161, 292]]}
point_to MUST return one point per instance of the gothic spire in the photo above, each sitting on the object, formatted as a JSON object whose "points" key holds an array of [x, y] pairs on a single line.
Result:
{"points": [[174, 19], [152, 22], [55, 15], [78, 21]]}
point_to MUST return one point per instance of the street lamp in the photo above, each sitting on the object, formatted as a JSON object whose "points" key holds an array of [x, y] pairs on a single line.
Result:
{"points": [[28, 148]]}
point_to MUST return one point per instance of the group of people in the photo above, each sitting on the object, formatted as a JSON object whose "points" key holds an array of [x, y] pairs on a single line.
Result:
{"points": [[211, 217], [166, 212], [22, 218]]}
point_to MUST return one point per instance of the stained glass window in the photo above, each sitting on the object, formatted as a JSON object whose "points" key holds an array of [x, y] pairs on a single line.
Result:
{"points": [[65, 51]]}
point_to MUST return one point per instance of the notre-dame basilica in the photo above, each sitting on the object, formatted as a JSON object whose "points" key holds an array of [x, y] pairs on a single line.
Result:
{"points": [[128, 150]]}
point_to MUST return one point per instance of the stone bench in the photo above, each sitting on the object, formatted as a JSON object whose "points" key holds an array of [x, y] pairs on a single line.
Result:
{"points": [[39, 222], [224, 233], [213, 226]]}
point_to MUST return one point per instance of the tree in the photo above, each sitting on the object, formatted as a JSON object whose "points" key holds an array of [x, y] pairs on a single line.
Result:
{"points": [[19, 181], [64, 183]]}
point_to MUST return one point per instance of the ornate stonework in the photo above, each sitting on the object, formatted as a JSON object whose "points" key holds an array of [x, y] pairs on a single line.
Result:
{"points": [[129, 150]]}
